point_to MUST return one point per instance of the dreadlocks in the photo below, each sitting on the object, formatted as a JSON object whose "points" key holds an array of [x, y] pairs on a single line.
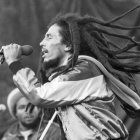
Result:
{"points": [[87, 38]]}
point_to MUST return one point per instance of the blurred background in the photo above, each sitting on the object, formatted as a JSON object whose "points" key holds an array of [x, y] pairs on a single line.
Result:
{"points": [[25, 22]]}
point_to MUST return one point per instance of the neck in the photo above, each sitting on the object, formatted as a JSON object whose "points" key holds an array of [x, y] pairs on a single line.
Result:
{"points": [[49, 70], [62, 63], [65, 60], [23, 128]]}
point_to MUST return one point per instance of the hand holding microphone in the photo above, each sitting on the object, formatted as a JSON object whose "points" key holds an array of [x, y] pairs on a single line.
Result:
{"points": [[13, 52]]}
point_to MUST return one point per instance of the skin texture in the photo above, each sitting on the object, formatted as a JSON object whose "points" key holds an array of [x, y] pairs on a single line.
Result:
{"points": [[26, 119], [54, 52]]}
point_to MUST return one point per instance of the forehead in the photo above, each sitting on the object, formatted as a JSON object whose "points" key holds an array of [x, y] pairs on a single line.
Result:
{"points": [[22, 101], [54, 30]]}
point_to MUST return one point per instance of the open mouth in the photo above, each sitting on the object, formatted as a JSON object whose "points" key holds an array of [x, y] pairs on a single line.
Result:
{"points": [[44, 52], [43, 55]]}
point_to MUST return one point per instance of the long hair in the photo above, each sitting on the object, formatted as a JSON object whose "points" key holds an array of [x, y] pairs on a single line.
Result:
{"points": [[91, 36]]}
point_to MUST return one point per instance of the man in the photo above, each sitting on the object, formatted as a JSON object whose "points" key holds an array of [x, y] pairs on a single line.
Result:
{"points": [[79, 86], [27, 125]]}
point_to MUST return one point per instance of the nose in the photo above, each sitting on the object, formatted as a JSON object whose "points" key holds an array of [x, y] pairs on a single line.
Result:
{"points": [[41, 43]]}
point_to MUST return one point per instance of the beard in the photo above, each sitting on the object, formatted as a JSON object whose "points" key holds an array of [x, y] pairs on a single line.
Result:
{"points": [[51, 64], [32, 125], [49, 67]]}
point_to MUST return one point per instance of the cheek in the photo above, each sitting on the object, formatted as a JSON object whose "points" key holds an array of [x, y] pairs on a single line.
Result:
{"points": [[20, 115], [54, 52], [36, 111], [51, 44]]}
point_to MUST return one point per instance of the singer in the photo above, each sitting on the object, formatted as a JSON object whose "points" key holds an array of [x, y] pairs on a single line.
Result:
{"points": [[81, 76]]}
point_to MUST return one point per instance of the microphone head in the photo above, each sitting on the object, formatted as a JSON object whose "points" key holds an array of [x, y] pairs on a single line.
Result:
{"points": [[26, 49]]}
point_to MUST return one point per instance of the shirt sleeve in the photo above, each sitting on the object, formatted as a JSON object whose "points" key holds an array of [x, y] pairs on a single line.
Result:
{"points": [[82, 83]]}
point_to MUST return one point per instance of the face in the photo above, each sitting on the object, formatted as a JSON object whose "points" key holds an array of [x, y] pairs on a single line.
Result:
{"points": [[53, 51], [25, 117]]}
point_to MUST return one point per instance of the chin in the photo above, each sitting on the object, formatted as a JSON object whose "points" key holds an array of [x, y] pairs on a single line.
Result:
{"points": [[31, 124]]}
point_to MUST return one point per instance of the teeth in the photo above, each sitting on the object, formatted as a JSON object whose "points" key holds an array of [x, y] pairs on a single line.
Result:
{"points": [[45, 51]]}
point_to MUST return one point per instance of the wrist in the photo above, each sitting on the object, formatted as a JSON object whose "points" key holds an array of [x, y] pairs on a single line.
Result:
{"points": [[9, 62], [15, 66]]}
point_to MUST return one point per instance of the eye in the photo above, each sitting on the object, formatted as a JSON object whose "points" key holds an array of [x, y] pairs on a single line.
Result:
{"points": [[48, 36], [21, 107]]}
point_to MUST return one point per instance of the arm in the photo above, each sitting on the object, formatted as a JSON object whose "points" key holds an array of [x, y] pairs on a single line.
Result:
{"points": [[71, 88]]}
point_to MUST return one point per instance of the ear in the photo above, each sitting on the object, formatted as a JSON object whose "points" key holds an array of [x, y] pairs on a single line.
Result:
{"points": [[68, 48]]}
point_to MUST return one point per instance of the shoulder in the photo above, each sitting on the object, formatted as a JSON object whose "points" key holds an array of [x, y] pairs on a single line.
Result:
{"points": [[12, 128], [82, 70], [11, 132]]}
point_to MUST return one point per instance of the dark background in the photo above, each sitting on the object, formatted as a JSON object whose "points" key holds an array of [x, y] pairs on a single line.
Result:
{"points": [[25, 21]]}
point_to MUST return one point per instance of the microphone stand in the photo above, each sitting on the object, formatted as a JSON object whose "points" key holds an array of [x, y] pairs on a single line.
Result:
{"points": [[48, 125]]}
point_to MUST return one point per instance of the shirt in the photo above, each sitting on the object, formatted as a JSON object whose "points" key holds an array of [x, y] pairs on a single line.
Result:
{"points": [[85, 97], [13, 133]]}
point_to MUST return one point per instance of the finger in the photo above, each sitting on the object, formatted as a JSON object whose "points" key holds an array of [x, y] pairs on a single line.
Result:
{"points": [[5, 47], [18, 47], [2, 48]]}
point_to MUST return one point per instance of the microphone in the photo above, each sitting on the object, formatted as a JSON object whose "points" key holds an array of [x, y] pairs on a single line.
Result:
{"points": [[2, 107], [25, 50]]}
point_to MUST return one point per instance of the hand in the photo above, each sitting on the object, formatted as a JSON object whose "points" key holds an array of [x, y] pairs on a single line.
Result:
{"points": [[12, 53]]}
